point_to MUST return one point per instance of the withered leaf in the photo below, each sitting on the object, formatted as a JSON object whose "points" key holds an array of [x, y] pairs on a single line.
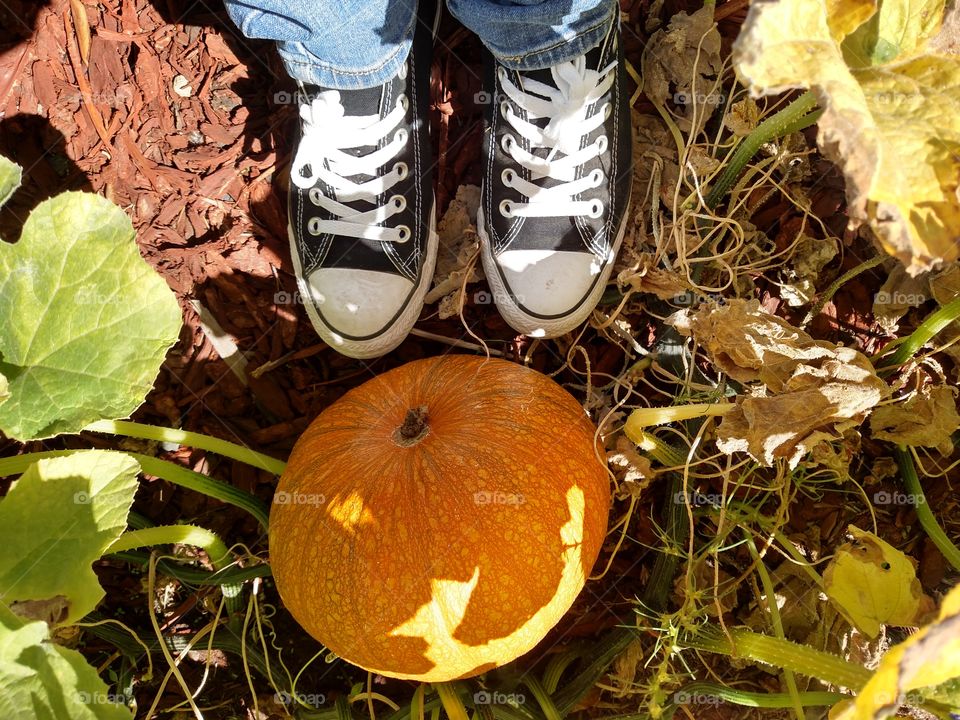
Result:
{"points": [[928, 418]]}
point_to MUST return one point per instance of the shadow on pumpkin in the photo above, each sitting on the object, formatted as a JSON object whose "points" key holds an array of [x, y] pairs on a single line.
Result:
{"points": [[513, 557]]}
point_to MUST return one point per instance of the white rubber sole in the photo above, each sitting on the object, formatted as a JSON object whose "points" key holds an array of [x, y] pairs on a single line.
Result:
{"points": [[528, 324], [393, 335]]}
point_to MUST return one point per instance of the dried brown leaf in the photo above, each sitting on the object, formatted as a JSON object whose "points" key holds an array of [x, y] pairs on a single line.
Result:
{"points": [[928, 418], [899, 292], [685, 55], [645, 277], [743, 117], [457, 247], [633, 470], [808, 259], [804, 391]]}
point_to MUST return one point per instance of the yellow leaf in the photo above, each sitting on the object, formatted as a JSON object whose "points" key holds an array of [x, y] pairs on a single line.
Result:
{"points": [[898, 29], [928, 658], [872, 584], [845, 16], [891, 110]]}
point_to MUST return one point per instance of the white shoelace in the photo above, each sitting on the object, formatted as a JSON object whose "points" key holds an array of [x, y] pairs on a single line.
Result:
{"points": [[327, 132], [565, 107]]}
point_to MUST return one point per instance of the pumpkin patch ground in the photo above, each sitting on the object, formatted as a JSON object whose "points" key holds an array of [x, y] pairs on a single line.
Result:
{"points": [[730, 494]]}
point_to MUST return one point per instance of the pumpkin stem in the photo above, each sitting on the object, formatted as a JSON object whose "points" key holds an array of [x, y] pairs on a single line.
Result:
{"points": [[414, 427]]}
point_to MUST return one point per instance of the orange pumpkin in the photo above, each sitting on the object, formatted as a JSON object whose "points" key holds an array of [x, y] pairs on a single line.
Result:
{"points": [[438, 520]]}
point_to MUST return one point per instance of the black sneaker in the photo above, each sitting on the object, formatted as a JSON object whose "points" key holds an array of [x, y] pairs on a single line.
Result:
{"points": [[362, 226], [556, 187]]}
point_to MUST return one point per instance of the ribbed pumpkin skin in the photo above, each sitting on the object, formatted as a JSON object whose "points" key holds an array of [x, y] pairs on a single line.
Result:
{"points": [[456, 554]]}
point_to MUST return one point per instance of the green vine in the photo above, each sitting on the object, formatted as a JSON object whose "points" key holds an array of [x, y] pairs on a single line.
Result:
{"points": [[171, 472], [794, 117], [911, 482], [192, 439]]}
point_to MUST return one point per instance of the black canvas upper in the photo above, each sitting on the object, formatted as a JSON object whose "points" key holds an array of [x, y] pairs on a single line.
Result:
{"points": [[575, 234], [406, 258]]}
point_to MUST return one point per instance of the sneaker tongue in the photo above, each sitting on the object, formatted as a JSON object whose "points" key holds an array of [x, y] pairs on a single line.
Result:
{"points": [[544, 76], [356, 103], [362, 102]]}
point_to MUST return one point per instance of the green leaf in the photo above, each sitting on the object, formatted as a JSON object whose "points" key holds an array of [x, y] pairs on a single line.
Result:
{"points": [[4, 388], [60, 516], [87, 322], [40, 680], [10, 176]]}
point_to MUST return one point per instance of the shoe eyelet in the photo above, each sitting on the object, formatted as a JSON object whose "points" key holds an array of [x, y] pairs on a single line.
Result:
{"points": [[314, 194], [602, 144], [401, 170], [313, 226], [501, 72], [403, 233], [403, 102], [505, 108], [506, 208], [596, 177], [596, 209], [507, 142], [402, 73], [607, 110], [401, 136], [507, 177], [399, 202]]}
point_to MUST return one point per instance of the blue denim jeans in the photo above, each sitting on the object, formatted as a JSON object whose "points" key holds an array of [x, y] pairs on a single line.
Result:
{"points": [[350, 44]]}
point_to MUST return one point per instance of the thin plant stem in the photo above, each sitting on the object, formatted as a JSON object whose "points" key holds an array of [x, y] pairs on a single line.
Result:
{"points": [[928, 522], [795, 116], [191, 439], [199, 537], [174, 668], [660, 450], [649, 416], [171, 472], [194, 576], [785, 654], [450, 699], [849, 275], [934, 323], [760, 699], [175, 534], [775, 621], [550, 711]]}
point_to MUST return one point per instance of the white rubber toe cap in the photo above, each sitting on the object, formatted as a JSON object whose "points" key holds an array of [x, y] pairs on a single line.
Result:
{"points": [[357, 303], [548, 282]]}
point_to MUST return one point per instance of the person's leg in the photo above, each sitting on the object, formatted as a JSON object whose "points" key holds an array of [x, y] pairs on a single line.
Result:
{"points": [[361, 212], [535, 34], [557, 175], [340, 44]]}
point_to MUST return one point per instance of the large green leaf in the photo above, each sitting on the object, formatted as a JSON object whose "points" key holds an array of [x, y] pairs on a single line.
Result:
{"points": [[40, 680], [59, 517], [86, 321], [10, 175]]}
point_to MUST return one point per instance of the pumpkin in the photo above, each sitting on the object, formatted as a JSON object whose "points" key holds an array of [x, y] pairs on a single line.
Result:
{"points": [[438, 520]]}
